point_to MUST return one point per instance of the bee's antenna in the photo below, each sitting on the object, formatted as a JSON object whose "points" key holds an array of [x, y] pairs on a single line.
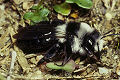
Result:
{"points": [[108, 32], [109, 35]]}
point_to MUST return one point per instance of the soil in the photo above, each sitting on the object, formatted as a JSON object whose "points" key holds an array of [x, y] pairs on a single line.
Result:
{"points": [[15, 65]]}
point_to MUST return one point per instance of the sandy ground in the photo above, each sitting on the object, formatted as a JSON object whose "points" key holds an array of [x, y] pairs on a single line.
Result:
{"points": [[14, 64]]}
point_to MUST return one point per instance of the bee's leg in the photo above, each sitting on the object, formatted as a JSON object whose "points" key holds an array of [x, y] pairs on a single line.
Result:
{"points": [[68, 53], [50, 53]]}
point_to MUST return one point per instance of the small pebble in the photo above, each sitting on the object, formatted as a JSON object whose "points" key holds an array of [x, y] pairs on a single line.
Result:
{"points": [[60, 17], [0, 28], [108, 16], [39, 57], [103, 70], [116, 57], [2, 7], [27, 5], [33, 60]]}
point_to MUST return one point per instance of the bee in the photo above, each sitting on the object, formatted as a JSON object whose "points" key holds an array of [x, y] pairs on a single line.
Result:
{"points": [[73, 38]]}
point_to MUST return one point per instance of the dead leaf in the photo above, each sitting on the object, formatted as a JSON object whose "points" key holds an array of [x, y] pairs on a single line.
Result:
{"points": [[22, 60], [18, 1], [3, 38], [74, 15], [118, 69], [27, 5], [106, 3]]}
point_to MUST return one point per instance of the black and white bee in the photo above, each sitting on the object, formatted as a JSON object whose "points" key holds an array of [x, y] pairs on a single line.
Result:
{"points": [[72, 38]]}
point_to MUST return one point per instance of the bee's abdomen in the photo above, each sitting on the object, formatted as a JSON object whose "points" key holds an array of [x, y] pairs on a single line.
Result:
{"points": [[33, 39], [35, 45]]}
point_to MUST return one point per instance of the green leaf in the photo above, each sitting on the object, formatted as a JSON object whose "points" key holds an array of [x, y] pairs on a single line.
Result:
{"points": [[51, 65], [44, 12], [28, 15], [70, 1], [45, 19], [40, 14], [32, 23], [63, 9], [37, 7], [40, 7], [82, 3], [34, 7], [36, 18], [69, 67]]}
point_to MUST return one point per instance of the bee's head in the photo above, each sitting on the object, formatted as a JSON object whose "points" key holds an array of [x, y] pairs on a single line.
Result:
{"points": [[92, 43], [92, 40]]}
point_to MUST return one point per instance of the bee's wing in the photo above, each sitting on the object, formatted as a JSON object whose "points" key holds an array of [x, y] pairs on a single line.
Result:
{"points": [[35, 38]]}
